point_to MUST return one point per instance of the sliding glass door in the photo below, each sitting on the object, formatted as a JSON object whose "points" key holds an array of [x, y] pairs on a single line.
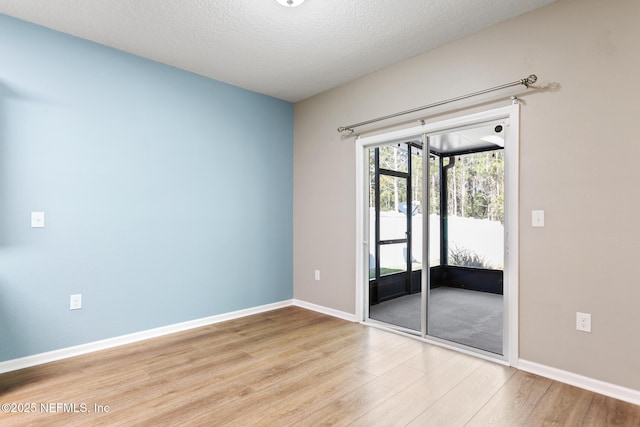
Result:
{"points": [[437, 214]]}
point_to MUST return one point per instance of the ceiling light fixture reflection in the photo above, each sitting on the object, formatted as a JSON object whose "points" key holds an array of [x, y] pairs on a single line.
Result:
{"points": [[290, 3]]}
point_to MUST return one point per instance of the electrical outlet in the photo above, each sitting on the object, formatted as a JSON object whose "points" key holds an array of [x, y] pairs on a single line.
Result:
{"points": [[75, 302], [583, 322], [317, 274]]}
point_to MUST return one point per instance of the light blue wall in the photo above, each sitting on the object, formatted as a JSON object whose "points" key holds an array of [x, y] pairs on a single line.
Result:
{"points": [[168, 196]]}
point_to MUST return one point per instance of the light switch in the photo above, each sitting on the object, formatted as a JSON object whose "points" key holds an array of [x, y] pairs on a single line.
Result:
{"points": [[37, 219], [75, 302], [537, 218]]}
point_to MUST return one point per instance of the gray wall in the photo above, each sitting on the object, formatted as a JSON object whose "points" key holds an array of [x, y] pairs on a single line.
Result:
{"points": [[579, 162]]}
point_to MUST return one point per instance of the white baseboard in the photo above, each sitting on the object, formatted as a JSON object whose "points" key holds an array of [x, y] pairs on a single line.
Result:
{"points": [[597, 386], [325, 310], [51, 356]]}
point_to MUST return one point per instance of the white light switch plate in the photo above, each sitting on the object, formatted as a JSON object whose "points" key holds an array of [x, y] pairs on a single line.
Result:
{"points": [[537, 218], [75, 302], [37, 219]]}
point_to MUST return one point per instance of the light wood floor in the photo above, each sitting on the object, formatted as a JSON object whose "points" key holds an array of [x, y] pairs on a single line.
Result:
{"points": [[296, 367]]}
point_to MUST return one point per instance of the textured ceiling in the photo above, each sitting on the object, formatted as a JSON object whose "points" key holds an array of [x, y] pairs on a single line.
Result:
{"points": [[288, 53]]}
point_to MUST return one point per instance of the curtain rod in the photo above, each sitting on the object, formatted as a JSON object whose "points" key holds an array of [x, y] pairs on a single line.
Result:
{"points": [[526, 82]]}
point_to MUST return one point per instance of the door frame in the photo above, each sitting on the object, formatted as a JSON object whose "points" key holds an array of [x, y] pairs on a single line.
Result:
{"points": [[511, 247]]}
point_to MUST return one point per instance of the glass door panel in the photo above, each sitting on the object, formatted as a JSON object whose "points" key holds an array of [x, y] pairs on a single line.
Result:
{"points": [[465, 302], [394, 272]]}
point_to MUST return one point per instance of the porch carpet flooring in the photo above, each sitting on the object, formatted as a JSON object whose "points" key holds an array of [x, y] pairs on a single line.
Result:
{"points": [[459, 315]]}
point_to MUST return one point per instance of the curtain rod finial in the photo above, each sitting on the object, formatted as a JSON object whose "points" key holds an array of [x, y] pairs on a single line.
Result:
{"points": [[529, 80]]}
